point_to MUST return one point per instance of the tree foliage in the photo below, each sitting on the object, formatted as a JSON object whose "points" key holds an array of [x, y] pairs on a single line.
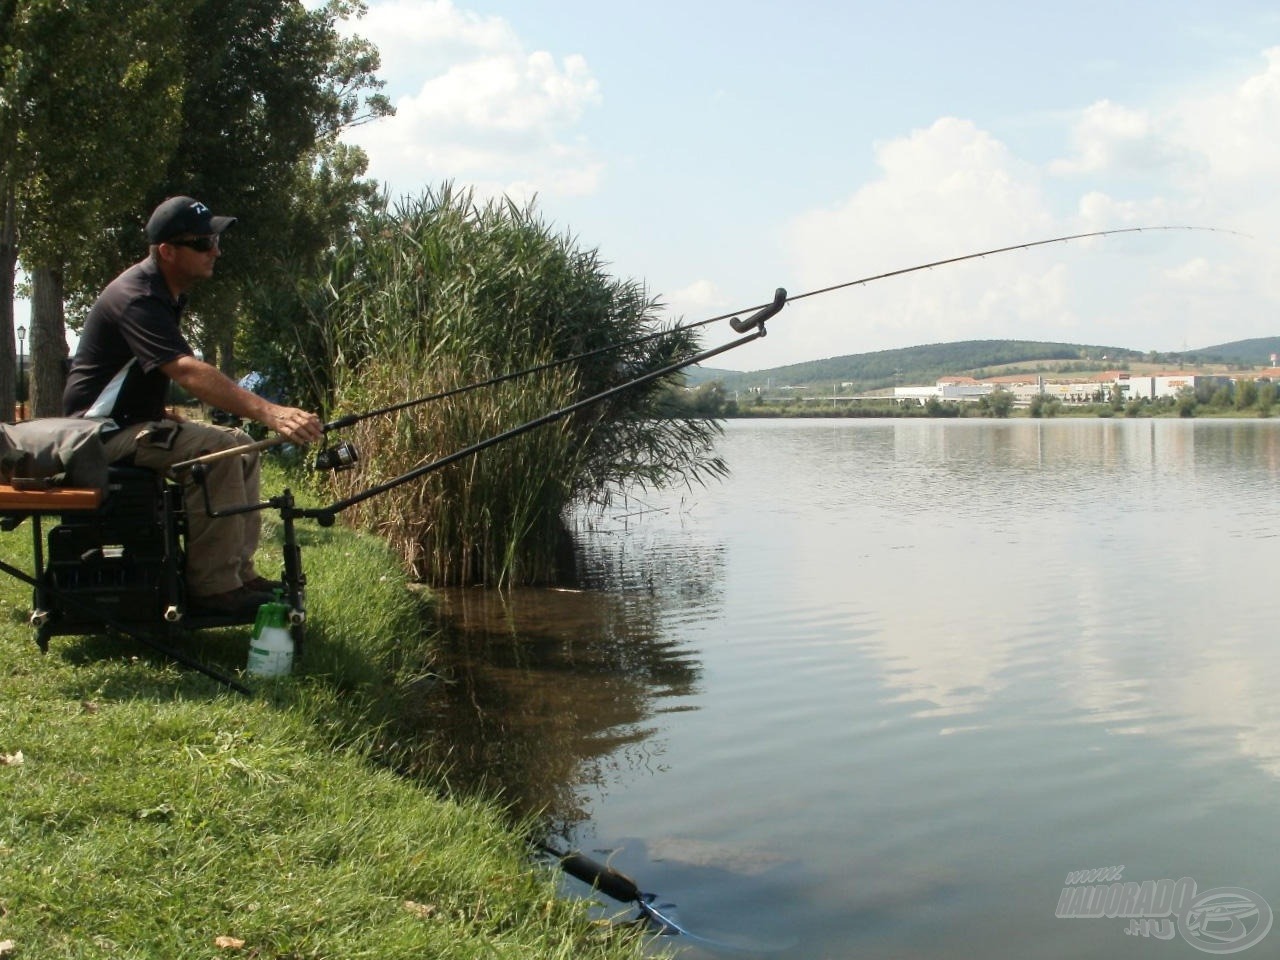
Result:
{"points": [[90, 99], [705, 400], [1246, 394], [997, 403], [1044, 406], [270, 85], [109, 109]]}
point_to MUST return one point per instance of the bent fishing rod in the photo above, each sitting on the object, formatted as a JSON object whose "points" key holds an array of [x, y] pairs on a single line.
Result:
{"points": [[738, 326]]}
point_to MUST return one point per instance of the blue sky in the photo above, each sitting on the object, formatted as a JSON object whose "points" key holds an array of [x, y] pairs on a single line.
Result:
{"points": [[717, 150]]}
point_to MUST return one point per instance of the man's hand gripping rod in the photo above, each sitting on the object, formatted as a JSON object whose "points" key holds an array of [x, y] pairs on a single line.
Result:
{"points": [[338, 457]]}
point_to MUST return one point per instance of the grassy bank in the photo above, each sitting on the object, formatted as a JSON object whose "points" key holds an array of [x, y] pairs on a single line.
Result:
{"points": [[147, 812]]}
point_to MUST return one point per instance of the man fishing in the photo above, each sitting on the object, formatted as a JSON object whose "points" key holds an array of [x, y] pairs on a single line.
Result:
{"points": [[130, 350]]}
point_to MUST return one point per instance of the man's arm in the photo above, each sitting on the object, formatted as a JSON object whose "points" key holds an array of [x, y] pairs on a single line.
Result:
{"points": [[208, 383]]}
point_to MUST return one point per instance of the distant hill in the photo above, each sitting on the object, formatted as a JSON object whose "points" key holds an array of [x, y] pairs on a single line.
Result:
{"points": [[1257, 351], [979, 358], [923, 364]]}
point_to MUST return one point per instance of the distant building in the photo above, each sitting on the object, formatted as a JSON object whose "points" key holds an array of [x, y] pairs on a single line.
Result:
{"points": [[1070, 390]]}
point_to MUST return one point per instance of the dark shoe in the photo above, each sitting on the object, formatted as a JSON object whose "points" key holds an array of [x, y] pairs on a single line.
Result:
{"points": [[239, 602], [263, 585]]}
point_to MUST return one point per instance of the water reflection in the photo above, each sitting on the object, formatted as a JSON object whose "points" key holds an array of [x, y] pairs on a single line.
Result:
{"points": [[551, 694], [880, 691], [1093, 546]]}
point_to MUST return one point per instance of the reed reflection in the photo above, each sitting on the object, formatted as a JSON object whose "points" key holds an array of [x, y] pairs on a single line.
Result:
{"points": [[553, 696]]}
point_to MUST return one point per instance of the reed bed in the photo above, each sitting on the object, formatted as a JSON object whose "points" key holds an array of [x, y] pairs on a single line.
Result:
{"points": [[442, 292]]}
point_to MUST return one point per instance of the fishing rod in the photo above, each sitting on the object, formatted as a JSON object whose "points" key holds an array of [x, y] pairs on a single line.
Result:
{"points": [[753, 327], [354, 418], [616, 885], [344, 454]]}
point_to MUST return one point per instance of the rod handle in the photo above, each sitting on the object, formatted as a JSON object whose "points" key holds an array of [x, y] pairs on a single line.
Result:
{"points": [[607, 880], [174, 468]]}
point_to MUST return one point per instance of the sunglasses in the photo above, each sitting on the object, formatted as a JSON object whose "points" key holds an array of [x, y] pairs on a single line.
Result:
{"points": [[198, 244]]}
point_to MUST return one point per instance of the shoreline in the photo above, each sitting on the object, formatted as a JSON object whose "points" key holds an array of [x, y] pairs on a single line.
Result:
{"points": [[150, 812]]}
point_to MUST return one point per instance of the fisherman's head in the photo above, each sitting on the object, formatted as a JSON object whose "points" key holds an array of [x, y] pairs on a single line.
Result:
{"points": [[185, 239], [184, 217]]}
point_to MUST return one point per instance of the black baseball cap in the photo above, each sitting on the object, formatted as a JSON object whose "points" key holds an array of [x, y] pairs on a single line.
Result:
{"points": [[179, 215]]}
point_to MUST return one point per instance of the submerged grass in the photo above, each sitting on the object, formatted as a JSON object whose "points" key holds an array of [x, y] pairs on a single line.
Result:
{"points": [[147, 812]]}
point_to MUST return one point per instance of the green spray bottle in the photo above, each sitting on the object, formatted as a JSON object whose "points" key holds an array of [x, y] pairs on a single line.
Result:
{"points": [[271, 646]]}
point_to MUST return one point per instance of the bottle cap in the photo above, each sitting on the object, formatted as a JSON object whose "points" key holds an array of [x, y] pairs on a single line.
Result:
{"points": [[273, 614]]}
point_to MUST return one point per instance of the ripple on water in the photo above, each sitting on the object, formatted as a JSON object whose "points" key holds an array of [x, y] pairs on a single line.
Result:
{"points": [[923, 671]]}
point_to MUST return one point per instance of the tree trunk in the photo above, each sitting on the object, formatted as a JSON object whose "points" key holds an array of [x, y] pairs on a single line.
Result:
{"points": [[8, 268], [227, 355], [48, 343]]}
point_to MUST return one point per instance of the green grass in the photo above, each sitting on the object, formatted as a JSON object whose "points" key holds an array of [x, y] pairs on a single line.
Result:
{"points": [[154, 811]]}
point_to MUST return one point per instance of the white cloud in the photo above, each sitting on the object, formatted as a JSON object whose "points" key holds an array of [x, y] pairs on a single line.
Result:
{"points": [[697, 301], [1109, 137], [411, 33], [474, 106], [954, 188], [1201, 275], [933, 181], [944, 191], [1232, 133], [1235, 130]]}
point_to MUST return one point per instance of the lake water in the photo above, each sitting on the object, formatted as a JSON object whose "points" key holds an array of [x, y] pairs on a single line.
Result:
{"points": [[881, 691]]}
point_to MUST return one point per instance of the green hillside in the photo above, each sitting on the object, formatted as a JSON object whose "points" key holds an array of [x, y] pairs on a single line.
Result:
{"points": [[923, 364], [978, 358], [1256, 352]]}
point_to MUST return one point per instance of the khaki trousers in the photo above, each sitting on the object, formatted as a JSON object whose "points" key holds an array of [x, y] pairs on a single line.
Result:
{"points": [[219, 550]]}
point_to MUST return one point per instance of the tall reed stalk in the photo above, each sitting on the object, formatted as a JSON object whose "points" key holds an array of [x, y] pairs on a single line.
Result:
{"points": [[439, 292]]}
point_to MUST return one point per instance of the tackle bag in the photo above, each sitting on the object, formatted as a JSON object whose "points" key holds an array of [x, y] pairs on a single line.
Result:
{"points": [[53, 452]]}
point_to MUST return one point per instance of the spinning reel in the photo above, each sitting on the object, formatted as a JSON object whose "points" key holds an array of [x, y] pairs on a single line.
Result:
{"points": [[341, 456]]}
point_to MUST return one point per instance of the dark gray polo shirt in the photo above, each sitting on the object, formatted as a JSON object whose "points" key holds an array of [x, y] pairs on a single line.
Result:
{"points": [[131, 331]]}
